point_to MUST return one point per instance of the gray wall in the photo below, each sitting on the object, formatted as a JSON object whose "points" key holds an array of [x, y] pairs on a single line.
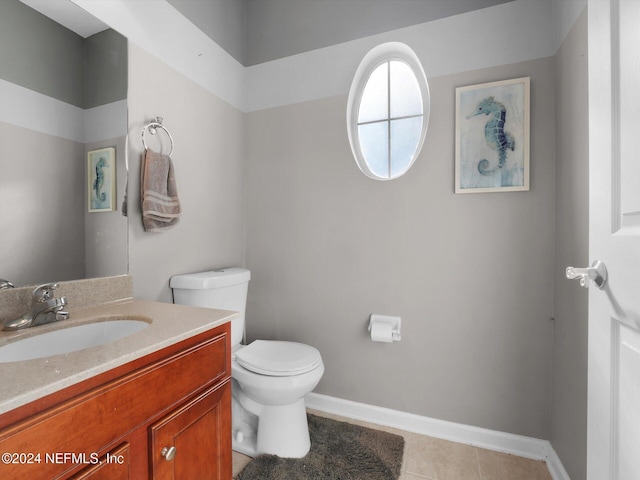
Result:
{"points": [[322, 261], [42, 174], [105, 68], [569, 400], [39, 243], [39, 54], [208, 158], [26, 35], [44, 131], [256, 31], [279, 28], [222, 20], [327, 247], [106, 233], [468, 274]]}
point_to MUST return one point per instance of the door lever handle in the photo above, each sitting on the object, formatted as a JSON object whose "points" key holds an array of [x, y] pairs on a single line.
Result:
{"points": [[597, 273]]}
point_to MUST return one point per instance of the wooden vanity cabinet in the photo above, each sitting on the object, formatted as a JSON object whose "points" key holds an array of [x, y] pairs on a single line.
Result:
{"points": [[164, 416], [113, 466]]}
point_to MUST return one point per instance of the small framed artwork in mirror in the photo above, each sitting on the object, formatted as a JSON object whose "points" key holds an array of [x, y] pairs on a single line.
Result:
{"points": [[101, 180]]}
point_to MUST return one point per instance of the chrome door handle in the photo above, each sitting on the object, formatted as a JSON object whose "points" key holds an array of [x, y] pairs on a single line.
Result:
{"points": [[597, 272]]}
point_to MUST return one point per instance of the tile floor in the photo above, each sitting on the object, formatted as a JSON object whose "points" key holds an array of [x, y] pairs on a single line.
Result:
{"points": [[427, 458]]}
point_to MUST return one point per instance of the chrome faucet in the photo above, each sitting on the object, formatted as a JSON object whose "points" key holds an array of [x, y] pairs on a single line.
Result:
{"points": [[5, 284], [45, 308]]}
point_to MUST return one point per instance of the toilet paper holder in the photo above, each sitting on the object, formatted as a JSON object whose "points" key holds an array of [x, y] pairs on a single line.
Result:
{"points": [[394, 322]]}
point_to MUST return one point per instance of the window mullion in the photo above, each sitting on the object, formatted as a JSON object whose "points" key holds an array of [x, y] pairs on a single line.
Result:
{"points": [[389, 117], [393, 118]]}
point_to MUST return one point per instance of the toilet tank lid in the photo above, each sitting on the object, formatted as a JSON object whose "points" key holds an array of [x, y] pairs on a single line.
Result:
{"points": [[223, 277]]}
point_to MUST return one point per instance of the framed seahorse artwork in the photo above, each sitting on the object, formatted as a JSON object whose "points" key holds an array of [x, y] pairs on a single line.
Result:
{"points": [[492, 137], [101, 180]]}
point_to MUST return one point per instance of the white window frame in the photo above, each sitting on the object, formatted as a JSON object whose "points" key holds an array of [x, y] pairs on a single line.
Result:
{"points": [[372, 60]]}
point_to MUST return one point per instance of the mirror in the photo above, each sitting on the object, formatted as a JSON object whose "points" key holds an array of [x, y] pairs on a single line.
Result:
{"points": [[64, 105]]}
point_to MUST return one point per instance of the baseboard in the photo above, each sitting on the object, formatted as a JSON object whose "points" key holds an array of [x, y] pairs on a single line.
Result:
{"points": [[479, 437], [555, 465]]}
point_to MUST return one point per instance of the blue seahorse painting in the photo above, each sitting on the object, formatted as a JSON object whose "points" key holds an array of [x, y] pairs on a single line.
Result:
{"points": [[495, 134], [98, 183], [492, 137]]}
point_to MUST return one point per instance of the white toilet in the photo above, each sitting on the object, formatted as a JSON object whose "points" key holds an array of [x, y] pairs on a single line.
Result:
{"points": [[270, 378]]}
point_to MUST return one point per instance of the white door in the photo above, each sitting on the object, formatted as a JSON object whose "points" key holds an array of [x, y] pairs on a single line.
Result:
{"points": [[614, 238]]}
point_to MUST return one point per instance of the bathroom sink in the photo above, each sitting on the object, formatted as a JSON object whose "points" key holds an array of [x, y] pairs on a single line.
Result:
{"points": [[71, 339]]}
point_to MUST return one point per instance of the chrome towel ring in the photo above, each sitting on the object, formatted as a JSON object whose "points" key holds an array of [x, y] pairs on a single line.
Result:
{"points": [[153, 127]]}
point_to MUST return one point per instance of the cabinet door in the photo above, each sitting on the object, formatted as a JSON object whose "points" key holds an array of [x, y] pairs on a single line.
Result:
{"points": [[113, 466], [194, 442]]}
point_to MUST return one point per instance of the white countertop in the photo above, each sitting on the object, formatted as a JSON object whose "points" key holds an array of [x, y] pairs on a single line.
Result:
{"points": [[25, 381]]}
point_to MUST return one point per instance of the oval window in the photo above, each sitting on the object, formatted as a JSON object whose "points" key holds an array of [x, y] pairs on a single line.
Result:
{"points": [[388, 111]]}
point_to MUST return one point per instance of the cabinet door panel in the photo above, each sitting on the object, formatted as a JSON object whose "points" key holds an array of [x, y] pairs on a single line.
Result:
{"points": [[200, 432]]}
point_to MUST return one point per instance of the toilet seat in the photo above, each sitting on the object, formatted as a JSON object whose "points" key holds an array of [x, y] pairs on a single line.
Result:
{"points": [[277, 358]]}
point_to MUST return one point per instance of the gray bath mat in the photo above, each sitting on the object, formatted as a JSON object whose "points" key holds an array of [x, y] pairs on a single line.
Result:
{"points": [[339, 451]]}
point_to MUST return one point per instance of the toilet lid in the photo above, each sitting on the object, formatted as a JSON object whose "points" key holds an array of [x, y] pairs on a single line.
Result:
{"points": [[278, 359]]}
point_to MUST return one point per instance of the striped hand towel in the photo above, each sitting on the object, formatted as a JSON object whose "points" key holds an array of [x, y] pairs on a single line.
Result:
{"points": [[160, 202]]}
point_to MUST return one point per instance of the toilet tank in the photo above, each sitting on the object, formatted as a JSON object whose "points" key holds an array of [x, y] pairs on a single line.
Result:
{"points": [[223, 289]]}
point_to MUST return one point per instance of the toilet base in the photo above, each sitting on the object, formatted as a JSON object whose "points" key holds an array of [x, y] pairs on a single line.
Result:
{"points": [[282, 430], [246, 446]]}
